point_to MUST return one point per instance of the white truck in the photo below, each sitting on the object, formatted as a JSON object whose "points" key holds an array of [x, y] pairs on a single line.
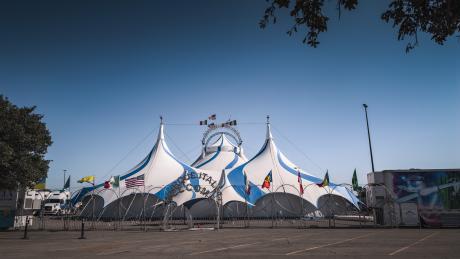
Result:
{"points": [[57, 203]]}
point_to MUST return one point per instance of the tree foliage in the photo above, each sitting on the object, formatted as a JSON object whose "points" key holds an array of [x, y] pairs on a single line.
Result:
{"points": [[24, 141], [439, 18]]}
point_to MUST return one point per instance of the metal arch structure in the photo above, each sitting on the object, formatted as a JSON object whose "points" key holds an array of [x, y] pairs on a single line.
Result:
{"points": [[222, 129]]}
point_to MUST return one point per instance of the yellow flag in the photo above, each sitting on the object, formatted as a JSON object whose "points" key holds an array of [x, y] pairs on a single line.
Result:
{"points": [[87, 179]]}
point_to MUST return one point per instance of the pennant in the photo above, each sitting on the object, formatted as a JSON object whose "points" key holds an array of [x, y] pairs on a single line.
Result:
{"points": [[67, 183], [299, 179], [41, 184], [354, 181], [212, 117], [325, 182], [115, 181], [135, 181], [87, 179], [247, 186], [268, 179]]}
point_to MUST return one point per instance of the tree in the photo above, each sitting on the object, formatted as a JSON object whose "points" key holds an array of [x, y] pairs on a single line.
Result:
{"points": [[439, 18], [24, 141]]}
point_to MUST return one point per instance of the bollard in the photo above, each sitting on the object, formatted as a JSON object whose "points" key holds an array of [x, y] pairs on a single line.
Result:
{"points": [[82, 233], [25, 228]]}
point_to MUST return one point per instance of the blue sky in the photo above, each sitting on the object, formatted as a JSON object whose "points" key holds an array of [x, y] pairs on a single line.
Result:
{"points": [[103, 72]]}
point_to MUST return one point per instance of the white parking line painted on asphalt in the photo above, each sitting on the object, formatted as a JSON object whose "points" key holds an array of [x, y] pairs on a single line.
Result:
{"points": [[330, 244], [416, 242], [250, 244], [224, 248]]}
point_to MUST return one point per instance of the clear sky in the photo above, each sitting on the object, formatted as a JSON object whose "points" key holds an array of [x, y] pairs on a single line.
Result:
{"points": [[103, 71]]}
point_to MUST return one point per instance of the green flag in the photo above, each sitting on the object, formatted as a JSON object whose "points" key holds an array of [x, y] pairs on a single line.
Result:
{"points": [[67, 183], [115, 181], [354, 181]]}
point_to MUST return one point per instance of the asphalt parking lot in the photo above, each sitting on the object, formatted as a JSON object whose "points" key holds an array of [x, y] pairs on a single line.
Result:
{"points": [[237, 243]]}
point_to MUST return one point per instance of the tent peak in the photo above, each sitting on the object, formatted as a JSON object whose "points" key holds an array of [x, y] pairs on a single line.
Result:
{"points": [[269, 132], [161, 134]]}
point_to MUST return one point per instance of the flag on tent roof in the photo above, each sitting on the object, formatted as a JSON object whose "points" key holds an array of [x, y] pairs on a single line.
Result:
{"points": [[204, 122], [247, 186], [67, 183], [299, 179], [354, 181], [87, 179], [325, 182], [268, 179], [135, 181]]}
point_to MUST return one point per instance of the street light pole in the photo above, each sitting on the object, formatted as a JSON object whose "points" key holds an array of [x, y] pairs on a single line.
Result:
{"points": [[369, 137]]}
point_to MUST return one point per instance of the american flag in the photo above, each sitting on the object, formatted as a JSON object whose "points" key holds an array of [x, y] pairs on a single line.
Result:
{"points": [[135, 181], [299, 179]]}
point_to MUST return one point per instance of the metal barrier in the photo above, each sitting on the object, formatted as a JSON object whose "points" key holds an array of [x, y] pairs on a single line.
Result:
{"points": [[140, 209]]}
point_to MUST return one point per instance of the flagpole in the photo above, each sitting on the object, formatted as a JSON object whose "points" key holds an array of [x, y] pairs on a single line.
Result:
{"points": [[369, 137]]}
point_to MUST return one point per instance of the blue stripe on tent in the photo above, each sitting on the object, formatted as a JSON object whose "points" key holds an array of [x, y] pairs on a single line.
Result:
{"points": [[236, 179], [235, 160], [136, 170], [236, 176], [307, 177], [337, 188], [194, 179], [209, 160]]}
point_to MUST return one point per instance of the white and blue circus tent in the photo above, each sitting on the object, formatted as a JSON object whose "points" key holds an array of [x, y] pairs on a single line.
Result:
{"points": [[284, 192], [160, 176], [222, 168], [222, 154]]}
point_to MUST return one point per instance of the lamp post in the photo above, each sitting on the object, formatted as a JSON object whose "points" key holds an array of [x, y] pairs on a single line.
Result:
{"points": [[369, 136]]}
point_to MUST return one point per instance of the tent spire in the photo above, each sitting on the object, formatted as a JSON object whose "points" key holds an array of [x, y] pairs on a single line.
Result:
{"points": [[269, 132], [161, 135]]}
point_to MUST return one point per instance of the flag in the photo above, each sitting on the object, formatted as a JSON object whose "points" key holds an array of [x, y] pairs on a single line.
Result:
{"points": [[231, 123], [115, 181], [67, 183], [107, 185], [87, 179], [41, 184], [268, 179], [354, 181], [135, 181], [247, 186], [325, 182], [212, 117], [299, 179], [205, 122]]}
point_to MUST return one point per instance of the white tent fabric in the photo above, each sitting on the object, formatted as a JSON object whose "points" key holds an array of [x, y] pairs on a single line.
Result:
{"points": [[284, 177], [222, 154], [167, 177], [221, 168]]}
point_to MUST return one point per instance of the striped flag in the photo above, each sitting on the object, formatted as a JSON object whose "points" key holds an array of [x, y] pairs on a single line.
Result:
{"points": [[268, 179], [135, 181], [247, 186], [299, 179], [325, 182], [205, 122]]}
